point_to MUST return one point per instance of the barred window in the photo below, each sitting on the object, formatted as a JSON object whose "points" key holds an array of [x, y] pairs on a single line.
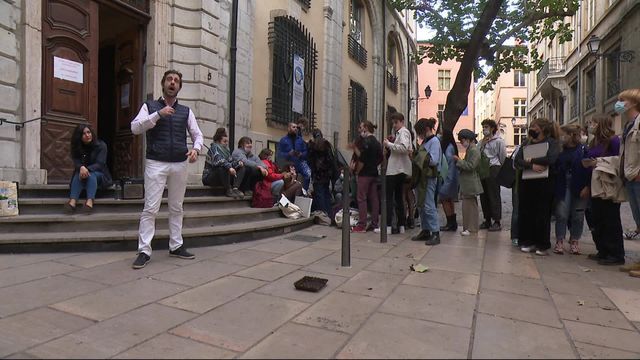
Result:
{"points": [[357, 108]]}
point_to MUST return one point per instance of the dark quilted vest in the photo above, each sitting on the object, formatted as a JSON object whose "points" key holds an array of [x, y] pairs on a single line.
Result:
{"points": [[167, 141]]}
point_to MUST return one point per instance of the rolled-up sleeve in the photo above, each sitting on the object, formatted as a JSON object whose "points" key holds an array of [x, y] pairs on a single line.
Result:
{"points": [[144, 121], [194, 131]]}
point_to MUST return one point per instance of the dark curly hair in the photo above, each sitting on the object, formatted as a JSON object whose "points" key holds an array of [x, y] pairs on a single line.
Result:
{"points": [[76, 139]]}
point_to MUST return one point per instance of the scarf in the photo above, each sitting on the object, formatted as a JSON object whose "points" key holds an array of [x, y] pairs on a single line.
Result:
{"points": [[222, 150]]}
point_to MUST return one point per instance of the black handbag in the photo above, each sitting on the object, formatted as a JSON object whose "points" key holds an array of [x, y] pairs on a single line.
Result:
{"points": [[507, 175]]}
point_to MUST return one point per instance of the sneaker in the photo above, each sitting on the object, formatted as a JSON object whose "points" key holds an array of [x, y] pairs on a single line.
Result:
{"points": [[574, 249], [359, 229], [237, 193], [495, 227], [595, 257], [485, 225], [632, 235], [68, 209], [230, 193], [433, 239], [377, 230], [465, 233], [141, 261], [514, 242], [559, 248], [248, 193], [401, 230], [422, 236], [182, 253], [542, 252], [395, 231], [630, 267], [610, 260], [528, 249]]}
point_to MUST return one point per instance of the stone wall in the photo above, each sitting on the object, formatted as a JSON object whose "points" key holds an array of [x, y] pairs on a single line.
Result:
{"points": [[10, 89]]}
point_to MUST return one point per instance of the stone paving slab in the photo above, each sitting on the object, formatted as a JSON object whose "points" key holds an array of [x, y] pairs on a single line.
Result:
{"points": [[167, 346], [24, 273], [626, 300], [198, 273], [95, 259], [332, 265], [593, 310], [604, 336], [268, 271], [283, 287], [445, 280], [11, 260], [386, 336], [241, 323], [295, 341], [115, 335], [120, 271], [280, 246], [304, 256], [519, 307], [22, 331], [370, 283], [588, 351], [116, 300], [514, 284], [247, 257]]}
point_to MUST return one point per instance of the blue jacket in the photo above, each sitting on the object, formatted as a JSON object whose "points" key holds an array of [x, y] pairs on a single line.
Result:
{"points": [[571, 161], [287, 143]]}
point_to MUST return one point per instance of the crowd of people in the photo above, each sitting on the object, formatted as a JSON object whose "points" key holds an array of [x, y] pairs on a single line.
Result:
{"points": [[570, 173]]}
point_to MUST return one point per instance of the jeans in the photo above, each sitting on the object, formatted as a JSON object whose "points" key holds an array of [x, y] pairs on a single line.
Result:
{"points": [[322, 197], [570, 212], [302, 167], [276, 189], [429, 212], [368, 190], [633, 193], [89, 184]]}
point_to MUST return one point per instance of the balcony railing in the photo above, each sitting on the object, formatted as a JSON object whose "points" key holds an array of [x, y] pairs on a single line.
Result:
{"points": [[574, 111], [392, 82], [552, 66], [357, 52], [613, 88], [591, 102]]}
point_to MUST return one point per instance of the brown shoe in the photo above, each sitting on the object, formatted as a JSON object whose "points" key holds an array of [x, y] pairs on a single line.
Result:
{"points": [[69, 209], [87, 210], [634, 273], [630, 267]]}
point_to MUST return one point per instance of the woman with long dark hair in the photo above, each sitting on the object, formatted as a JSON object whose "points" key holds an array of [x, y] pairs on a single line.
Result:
{"points": [[536, 194], [607, 226], [368, 151], [89, 156], [448, 192]]}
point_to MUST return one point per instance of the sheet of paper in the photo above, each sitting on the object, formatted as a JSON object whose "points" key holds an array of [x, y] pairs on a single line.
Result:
{"points": [[531, 152]]}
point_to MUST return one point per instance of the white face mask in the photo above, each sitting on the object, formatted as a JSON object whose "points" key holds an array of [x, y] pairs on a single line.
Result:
{"points": [[584, 139], [486, 132]]}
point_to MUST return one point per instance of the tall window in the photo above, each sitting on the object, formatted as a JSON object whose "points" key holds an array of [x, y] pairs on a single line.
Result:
{"points": [[518, 78], [519, 135], [590, 89], [613, 75], [591, 14], [355, 21], [520, 107], [440, 112], [289, 39], [444, 80], [357, 108], [574, 100]]}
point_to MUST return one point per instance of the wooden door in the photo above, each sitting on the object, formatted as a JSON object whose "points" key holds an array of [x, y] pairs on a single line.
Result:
{"points": [[69, 91], [127, 157]]}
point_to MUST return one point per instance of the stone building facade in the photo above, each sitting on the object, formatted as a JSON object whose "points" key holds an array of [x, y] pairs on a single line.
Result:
{"points": [[574, 84], [65, 62]]}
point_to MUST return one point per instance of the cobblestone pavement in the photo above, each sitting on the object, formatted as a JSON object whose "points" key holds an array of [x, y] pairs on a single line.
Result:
{"points": [[480, 298]]}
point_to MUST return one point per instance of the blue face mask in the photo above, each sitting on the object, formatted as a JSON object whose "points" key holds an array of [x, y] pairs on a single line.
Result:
{"points": [[619, 107]]}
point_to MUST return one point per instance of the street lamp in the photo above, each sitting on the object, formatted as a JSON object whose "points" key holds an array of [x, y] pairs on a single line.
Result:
{"points": [[513, 121], [427, 91], [593, 45]]}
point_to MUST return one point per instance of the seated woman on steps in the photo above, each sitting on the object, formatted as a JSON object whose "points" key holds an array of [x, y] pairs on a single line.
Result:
{"points": [[269, 189], [220, 169], [89, 156]]}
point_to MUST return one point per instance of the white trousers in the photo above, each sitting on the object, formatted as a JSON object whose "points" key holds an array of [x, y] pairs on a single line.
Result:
{"points": [[156, 175]]}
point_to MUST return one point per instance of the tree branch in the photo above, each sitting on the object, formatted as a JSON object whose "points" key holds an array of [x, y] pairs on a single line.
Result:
{"points": [[528, 21]]}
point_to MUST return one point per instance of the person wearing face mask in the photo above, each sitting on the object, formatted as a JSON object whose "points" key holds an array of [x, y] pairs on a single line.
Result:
{"points": [[494, 148], [368, 153], [221, 169], [571, 189], [470, 186], [607, 226], [536, 195], [628, 105], [256, 169]]}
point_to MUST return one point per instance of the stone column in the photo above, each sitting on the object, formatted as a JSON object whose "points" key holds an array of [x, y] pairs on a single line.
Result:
{"points": [[332, 73]]}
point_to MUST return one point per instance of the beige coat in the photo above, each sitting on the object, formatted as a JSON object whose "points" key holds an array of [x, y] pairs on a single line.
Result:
{"points": [[606, 182], [630, 149]]}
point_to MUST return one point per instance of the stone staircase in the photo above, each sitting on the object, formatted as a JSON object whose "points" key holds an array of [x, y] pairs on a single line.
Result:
{"points": [[209, 219]]}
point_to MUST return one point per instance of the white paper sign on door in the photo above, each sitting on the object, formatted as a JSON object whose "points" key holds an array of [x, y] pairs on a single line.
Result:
{"points": [[67, 70]]}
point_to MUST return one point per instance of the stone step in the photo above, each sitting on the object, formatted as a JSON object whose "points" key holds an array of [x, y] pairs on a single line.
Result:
{"points": [[125, 221], [32, 206], [62, 191], [117, 240]]}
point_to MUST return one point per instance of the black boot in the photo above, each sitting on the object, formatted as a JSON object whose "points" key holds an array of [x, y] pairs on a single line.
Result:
{"points": [[422, 235], [433, 239], [452, 224], [411, 222]]}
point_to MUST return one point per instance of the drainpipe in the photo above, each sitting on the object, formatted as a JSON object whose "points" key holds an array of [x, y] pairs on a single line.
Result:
{"points": [[232, 71], [383, 167]]}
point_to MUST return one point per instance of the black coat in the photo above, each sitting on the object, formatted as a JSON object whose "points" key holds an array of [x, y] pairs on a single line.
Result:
{"points": [[96, 161]]}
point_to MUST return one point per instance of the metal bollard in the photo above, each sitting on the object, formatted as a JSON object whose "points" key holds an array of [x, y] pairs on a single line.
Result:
{"points": [[346, 218]]}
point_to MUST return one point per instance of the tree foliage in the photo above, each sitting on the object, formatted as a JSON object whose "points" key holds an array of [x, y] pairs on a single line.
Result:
{"points": [[497, 32]]}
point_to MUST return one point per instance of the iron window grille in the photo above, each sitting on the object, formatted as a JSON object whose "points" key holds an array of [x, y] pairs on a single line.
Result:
{"points": [[357, 52], [305, 3], [392, 82], [288, 37], [357, 108]]}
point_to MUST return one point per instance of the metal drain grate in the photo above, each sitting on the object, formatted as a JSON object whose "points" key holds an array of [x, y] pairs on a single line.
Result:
{"points": [[306, 238]]}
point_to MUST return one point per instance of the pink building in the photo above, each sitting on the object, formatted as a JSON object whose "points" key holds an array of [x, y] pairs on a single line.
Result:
{"points": [[440, 79]]}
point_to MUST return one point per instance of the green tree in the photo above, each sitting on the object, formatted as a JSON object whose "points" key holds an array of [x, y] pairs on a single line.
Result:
{"points": [[496, 31]]}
